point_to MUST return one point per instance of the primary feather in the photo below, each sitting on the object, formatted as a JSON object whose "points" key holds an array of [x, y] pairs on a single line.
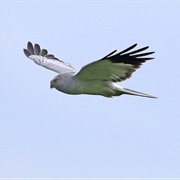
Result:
{"points": [[49, 61], [98, 77], [115, 67]]}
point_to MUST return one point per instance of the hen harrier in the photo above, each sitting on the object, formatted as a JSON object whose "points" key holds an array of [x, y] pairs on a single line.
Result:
{"points": [[96, 78]]}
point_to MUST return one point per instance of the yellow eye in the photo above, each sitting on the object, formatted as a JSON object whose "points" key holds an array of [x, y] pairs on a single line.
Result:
{"points": [[56, 80]]}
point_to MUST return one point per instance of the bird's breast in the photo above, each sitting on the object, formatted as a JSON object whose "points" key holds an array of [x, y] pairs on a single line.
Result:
{"points": [[69, 86]]}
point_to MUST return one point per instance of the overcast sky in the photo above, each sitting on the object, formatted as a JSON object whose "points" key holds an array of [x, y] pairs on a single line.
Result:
{"points": [[47, 134]]}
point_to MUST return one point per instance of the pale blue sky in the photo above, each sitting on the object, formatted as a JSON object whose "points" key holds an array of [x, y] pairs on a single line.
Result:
{"points": [[45, 133]]}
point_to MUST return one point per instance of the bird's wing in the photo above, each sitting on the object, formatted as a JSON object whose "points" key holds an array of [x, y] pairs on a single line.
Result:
{"points": [[42, 58], [115, 67]]}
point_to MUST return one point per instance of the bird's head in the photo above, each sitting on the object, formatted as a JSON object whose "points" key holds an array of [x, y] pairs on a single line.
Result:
{"points": [[55, 82]]}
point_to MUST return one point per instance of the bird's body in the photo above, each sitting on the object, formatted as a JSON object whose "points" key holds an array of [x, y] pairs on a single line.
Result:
{"points": [[96, 78]]}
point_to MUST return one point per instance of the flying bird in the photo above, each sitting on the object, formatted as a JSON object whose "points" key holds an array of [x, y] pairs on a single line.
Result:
{"points": [[96, 78]]}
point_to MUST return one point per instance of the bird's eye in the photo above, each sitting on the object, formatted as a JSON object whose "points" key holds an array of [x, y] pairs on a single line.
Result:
{"points": [[56, 80]]}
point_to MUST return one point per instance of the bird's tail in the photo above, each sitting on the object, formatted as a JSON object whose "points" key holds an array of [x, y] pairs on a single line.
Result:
{"points": [[135, 93]]}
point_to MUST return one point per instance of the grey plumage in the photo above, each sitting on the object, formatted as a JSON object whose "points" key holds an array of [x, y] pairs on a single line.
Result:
{"points": [[98, 77]]}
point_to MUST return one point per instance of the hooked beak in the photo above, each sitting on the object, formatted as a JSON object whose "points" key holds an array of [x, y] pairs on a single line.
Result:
{"points": [[51, 86]]}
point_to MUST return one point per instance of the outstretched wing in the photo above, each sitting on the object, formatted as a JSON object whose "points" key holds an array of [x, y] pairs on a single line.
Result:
{"points": [[42, 58], [115, 67]]}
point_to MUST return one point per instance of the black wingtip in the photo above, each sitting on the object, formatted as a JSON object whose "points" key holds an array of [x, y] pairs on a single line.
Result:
{"points": [[26, 52], [130, 56], [37, 49], [128, 49], [29, 44], [30, 48], [43, 52], [105, 57]]}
